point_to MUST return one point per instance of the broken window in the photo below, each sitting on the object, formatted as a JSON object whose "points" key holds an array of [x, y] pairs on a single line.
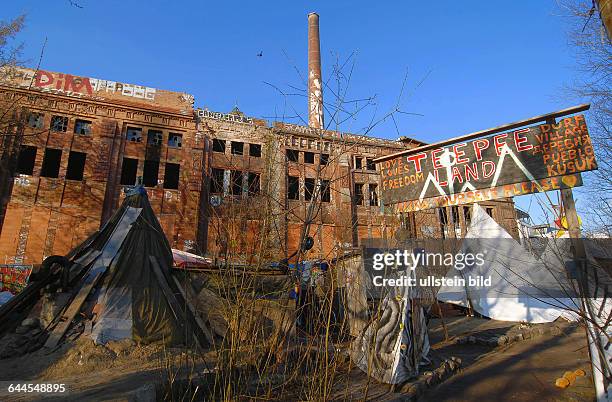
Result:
{"points": [[155, 138], [255, 150], [237, 148], [82, 127], [150, 173], [324, 159], [36, 120], [216, 180], [358, 193], [325, 191], [373, 188], [76, 165], [308, 157], [358, 162], [134, 134], [370, 165], [293, 188], [218, 145], [253, 183], [59, 123], [26, 159], [175, 140], [292, 155], [236, 178], [51, 163], [171, 176], [129, 168], [309, 187], [490, 211]]}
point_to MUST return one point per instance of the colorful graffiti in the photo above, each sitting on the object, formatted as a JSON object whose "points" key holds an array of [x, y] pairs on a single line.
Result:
{"points": [[72, 85], [13, 278]]}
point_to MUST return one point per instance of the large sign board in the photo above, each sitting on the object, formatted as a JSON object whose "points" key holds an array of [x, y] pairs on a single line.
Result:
{"points": [[531, 159]]}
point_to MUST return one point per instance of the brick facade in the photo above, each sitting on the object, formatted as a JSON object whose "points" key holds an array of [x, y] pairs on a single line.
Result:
{"points": [[217, 182]]}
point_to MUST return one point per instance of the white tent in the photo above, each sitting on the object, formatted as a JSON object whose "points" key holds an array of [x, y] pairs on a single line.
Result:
{"points": [[523, 287]]}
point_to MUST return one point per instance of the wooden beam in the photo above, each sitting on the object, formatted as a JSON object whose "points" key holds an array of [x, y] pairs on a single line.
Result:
{"points": [[489, 131], [188, 293]]}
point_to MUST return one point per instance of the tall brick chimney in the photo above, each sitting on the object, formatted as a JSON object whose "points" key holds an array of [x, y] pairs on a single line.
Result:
{"points": [[315, 84]]}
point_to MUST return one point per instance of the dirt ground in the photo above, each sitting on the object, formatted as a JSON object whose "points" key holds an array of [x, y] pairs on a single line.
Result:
{"points": [[521, 371]]}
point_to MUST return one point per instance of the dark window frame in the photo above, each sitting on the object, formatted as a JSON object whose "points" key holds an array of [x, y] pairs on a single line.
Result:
{"points": [[130, 134], [175, 140], [155, 137], [51, 168], [255, 150], [129, 177], [216, 185], [172, 176], [26, 160], [218, 145], [237, 148], [86, 130], [150, 173], [39, 122], [309, 157], [59, 124], [309, 188], [293, 187], [292, 155], [76, 172], [358, 195]]}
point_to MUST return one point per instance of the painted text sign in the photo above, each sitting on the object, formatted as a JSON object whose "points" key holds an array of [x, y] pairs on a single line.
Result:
{"points": [[526, 155]]}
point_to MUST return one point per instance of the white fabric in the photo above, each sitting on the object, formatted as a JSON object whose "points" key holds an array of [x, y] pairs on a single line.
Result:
{"points": [[516, 278]]}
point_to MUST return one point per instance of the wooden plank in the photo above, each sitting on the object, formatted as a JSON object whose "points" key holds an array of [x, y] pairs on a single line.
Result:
{"points": [[91, 278], [489, 131], [188, 294]]}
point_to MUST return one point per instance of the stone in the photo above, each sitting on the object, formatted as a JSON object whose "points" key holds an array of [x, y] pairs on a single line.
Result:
{"points": [[518, 337], [21, 330], [31, 322], [502, 340], [472, 339], [492, 342]]}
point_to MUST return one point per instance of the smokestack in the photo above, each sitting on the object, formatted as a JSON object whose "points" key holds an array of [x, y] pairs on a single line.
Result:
{"points": [[315, 84]]}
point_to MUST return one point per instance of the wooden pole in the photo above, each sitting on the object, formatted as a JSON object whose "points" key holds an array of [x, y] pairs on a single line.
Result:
{"points": [[579, 254]]}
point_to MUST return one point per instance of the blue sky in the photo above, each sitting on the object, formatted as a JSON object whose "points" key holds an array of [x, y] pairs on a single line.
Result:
{"points": [[479, 63]]}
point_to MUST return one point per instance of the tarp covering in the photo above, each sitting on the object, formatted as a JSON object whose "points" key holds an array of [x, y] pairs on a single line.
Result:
{"points": [[183, 259], [523, 287], [132, 303]]}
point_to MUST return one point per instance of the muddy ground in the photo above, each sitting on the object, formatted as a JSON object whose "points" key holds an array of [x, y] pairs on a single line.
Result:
{"points": [[524, 370]]}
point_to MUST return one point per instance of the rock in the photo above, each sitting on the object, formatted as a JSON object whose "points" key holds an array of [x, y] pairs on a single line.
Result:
{"points": [[518, 337], [32, 322], [502, 340], [21, 330], [554, 330], [456, 360], [471, 339], [562, 383], [492, 342], [461, 341]]}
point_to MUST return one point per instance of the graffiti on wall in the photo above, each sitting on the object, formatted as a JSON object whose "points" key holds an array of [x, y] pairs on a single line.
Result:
{"points": [[71, 85], [225, 116]]}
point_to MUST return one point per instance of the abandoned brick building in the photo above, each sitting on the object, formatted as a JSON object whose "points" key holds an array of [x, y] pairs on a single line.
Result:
{"points": [[216, 181]]}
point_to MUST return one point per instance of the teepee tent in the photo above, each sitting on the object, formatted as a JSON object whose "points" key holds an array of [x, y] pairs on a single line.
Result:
{"points": [[522, 288], [137, 260]]}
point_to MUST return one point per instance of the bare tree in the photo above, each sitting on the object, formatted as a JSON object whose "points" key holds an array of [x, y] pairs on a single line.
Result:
{"points": [[593, 52]]}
